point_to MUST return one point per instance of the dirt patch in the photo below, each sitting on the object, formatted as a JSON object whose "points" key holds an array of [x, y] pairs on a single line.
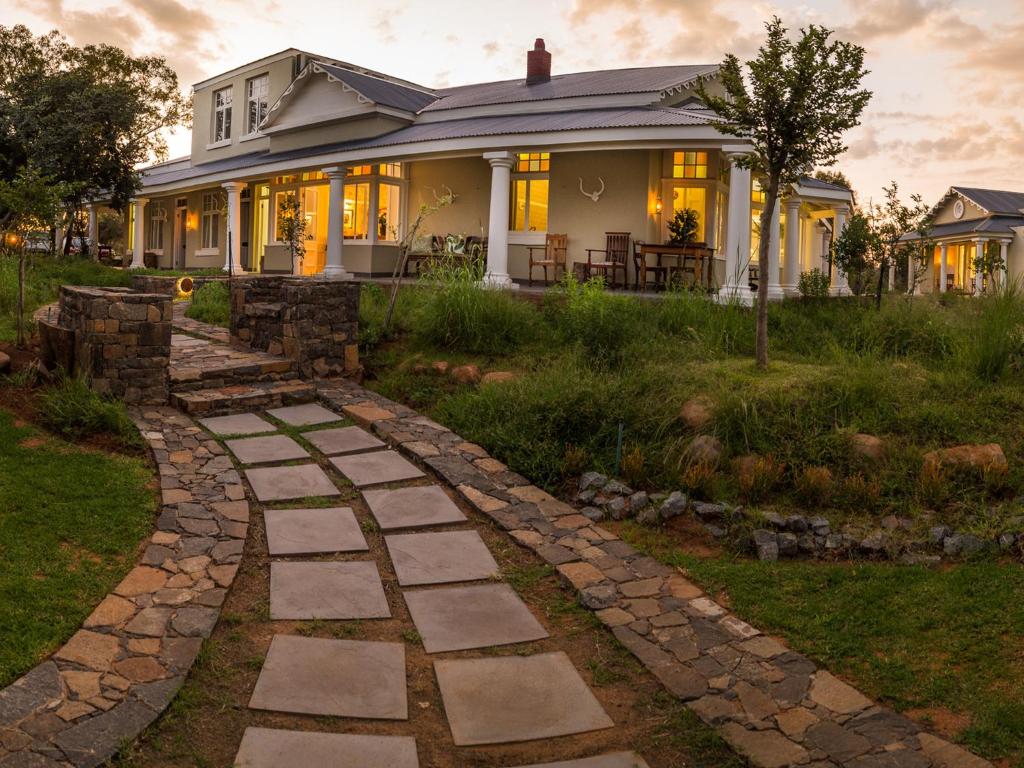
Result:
{"points": [[32, 442], [943, 721]]}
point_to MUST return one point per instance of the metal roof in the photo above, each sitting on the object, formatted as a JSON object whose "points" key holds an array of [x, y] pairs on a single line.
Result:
{"points": [[993, 200], [380, 91], [598, 83], [810, 181], [989, 225]]}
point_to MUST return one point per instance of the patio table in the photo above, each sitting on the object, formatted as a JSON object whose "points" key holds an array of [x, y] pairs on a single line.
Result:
{"points": [[701, 253]]}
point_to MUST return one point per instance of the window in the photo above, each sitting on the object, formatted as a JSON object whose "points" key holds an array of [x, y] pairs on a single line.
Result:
{"points": [[530, 188], [757, 193], [222, 114], [356, 213], [694, 198], [689, 165], [155, 231], [210, 226], [389, 198], [257, 89], [314, 176], [290, 179], [282, 199], [391, 169], [360, 170]]}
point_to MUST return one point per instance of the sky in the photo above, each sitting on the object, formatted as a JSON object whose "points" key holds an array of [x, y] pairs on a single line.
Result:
{"points": [[946, 75]]}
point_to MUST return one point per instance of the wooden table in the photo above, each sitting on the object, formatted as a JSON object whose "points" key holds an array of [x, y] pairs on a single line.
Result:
{"points": [[703, 255]]}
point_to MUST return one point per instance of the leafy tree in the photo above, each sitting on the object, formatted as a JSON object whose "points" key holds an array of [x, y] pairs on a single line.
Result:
{"points": [[683, 227], [293, 229], [835, 176], [793, 102], [855, 252], [891, 221]]}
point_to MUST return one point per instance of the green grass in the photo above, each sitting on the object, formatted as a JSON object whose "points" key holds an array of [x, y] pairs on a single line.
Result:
{"points": [[70, 524], [211, 303]]}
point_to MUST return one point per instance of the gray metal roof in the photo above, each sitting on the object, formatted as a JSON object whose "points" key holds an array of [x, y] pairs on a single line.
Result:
{"points": [[598, 83], [989, 225], [993, 200], [810, 181], [380, 91]]}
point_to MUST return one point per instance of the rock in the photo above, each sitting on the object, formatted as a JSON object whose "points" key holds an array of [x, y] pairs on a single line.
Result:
{"points": [[787, 543], [638, 500], [615, 488], [440, 366], [5, 362], [705, 449], [972, 545], [774, 519], [875, 542], [796, 523], [838, 742], [716, 531], [593, 480], [649, 515], [834, 541], [617, 508], [953, 545], [1007, 540], [988, 457], [867, 446], [592, 513], [768, 749], [587, 496], [832, 693], [820, 526], [466, 374], [891, 522], [709, 511], [696, 413], [498, 377], [938, 534], [599, 597], [767, 544], [674, 505]]}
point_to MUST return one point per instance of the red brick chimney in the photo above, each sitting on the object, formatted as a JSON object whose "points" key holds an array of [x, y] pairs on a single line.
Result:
{"points": [[538, 64]]}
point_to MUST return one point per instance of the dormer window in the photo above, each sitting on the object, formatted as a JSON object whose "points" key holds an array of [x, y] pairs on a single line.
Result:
{"points": [[257, 90], [222, 114]]}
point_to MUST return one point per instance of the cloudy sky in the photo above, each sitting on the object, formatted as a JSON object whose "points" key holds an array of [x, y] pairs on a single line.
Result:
{"points": [[946, 74]]}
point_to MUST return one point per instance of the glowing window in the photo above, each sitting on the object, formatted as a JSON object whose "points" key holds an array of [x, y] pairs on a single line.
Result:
{"points": [[389, 199], [290, 179], [356, 211], [694, 198], [689, 165], [757, 193], [533, 162], [210, 224], [390, 169], [360, 170], [155, 233], [314, 176]]}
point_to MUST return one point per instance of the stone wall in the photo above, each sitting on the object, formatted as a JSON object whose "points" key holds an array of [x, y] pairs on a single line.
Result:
{"points": [[119, 339], [313, 322], [167, 284]]}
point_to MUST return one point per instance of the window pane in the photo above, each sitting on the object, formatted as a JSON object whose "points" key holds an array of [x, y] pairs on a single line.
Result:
{"points": [[227, 122], [388, 212], [518, 205], [538, 205], [280, 199], [694, 198], [356, 213]]}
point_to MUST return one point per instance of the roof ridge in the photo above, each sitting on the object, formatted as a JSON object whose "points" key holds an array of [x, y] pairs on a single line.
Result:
{"points": [[401, 83]]}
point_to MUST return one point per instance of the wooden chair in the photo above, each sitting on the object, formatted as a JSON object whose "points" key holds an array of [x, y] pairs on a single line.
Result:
{"points": [[616, 254], [641, 267], [555, 250]]}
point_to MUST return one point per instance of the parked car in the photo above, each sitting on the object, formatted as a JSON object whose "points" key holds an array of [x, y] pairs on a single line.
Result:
{"points": [[38, 242]]}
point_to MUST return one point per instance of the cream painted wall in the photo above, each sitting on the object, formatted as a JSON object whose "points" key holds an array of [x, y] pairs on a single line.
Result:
{"points": [[945, 214], [349, 130], [468, 177]]}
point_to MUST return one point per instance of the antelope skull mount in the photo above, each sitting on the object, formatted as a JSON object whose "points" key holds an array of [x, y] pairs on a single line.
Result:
{"points": [[596, 194]]}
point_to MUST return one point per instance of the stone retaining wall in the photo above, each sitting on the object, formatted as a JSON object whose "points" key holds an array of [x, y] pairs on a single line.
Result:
{"points": [[167, 285], [118, 338], [313, 322]]}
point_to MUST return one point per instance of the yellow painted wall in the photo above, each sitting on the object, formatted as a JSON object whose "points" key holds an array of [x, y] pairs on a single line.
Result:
{"points": [[469, 178]]}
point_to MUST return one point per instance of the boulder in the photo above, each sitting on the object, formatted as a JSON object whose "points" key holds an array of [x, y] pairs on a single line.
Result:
{"points": [[796, 523], [704, 449], [615, 488], [788, 544], [767, 545], [497, 377], [638, 500], [5, 363], [592, 480], [440, 366], [648, 515], [710, 511], [674, 505], [745, 466], [989, 457], [617, 508], [867, 446], [466, 374], [696, 413]]}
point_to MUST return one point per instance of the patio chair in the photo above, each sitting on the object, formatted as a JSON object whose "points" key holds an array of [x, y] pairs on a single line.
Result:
{"points": [[555, 250], [642, 268], [616, 253]]}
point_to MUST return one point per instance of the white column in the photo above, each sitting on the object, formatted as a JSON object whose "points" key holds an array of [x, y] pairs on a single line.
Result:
{"points": [[911, 277], [840, 284], [791, 267], [139, 241], [737, 236], [979, 254], [943, 266], [774, 249], [892, 275], [94, 231], [232, 260], [497, 227], [1004, 255], [334, 267]]}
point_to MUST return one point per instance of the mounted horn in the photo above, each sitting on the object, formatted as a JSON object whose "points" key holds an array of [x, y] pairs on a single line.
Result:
{"points": [[595, 196]]}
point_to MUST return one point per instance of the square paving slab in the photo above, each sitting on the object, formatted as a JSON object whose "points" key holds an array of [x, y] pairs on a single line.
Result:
{"points": [[614, 760], [260, 450], [238, 424], [343, 440], [437, 558], [327, 590], [516, 698], [299, 482], [304, 415], [310, 531], [412, 507], [273, 748], [457, 618], [344, 678], [375, 468]]}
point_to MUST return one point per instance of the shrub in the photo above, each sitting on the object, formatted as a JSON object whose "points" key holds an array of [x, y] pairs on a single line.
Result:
{"points": [[633, 465], [814, 486], [934, 489], [74, 410], [601, 324], [758, 478], [698, 480], [997, 340], [211, 303], [858, 492], [813, 284], [575, 462]]}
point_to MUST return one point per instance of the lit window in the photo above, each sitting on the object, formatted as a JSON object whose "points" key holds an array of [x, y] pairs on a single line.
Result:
{"points": [[533, 162], [222, 114], [155, 233], [314, 176], [210, 226], [291, 179], [356, 213], [689, 165], [391, 169], [389, 198], [257, 90], [757, 193], [284, 202], [360, 170], [694, 198]]}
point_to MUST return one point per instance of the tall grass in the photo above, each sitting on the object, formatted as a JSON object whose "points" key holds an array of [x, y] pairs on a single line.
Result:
{"points": [[74, 410], [211, 303], [599, 323], [1001, 318]]}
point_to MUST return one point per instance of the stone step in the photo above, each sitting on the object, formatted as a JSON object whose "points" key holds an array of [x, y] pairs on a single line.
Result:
{"points": [[244, 372], [231, 399]]}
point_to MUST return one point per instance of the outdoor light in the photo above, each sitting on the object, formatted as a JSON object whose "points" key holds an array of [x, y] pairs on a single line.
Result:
{"points": [[657, 205], [11, 239]]}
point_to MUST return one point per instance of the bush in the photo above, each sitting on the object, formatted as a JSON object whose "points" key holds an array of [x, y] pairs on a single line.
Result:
{"points": [[998, 339], [813, 284], [211, 303], [633, 469], [759, 478], [74, 410], [814, 486], [599, 323]]}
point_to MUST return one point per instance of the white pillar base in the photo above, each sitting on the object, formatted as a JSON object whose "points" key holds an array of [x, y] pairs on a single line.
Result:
{"points": [[498, 280], [790, 291], [838, 290], [775, 293], [335, 272], [735, 294]]}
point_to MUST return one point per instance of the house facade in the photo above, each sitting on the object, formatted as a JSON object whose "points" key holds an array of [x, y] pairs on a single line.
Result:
{"points": [[971, 227], [360, 152]]}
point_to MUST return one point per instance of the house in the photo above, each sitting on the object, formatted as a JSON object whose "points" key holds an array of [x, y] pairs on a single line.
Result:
{"points": [[360, 151], [971, 226]]}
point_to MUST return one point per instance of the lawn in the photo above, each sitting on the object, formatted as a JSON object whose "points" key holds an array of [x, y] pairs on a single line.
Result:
{"points": [[71, 519]]}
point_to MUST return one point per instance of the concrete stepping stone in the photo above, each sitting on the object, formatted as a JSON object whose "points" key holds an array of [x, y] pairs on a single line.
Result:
{"points": [[457, 618], [438, 558], [344, 678], [613, 760], [298, 482], [375, 468], [312, 531], [305, 415], [412, 507], [237, 424], [272, 748], [343, 440], [260, 450], [327, 590], [516, 698]]}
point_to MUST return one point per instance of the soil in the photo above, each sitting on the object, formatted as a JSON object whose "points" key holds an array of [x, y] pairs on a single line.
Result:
{"points": [[205, 724], [943, 721]]}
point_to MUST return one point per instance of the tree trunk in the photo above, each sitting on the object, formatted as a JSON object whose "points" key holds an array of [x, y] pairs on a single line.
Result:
{"points": [[882, 269], [21, 299], [771, 200]]}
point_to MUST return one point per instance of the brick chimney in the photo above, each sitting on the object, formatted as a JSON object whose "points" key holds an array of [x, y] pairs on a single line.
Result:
{"points": [[538, 64]]}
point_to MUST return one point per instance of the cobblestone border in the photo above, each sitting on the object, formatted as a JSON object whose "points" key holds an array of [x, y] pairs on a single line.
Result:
{"points": [[124, 666], [770, 703]]}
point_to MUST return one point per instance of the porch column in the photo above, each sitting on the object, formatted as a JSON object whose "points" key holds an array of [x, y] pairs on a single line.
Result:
{"points": [[94, 231], [139, 241], [774, 250], [497, 223], [334, 267], [892, 276], [979, 255], [232, 261], [1004, 255], [737, 236], [944, 266], [791, 267], [840, 284]]}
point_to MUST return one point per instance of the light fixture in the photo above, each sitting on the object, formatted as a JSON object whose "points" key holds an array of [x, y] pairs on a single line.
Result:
{"points": [[657, 205]]}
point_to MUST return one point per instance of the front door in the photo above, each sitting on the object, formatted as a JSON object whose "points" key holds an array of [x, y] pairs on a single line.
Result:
{"points": [[243, 245], [180, 229]]}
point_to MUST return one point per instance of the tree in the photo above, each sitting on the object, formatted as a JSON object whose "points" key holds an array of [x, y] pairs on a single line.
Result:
{"points": [[293, 229], [793, 102], [683, 227], [31, 202], [835, 176], [856, 251], [891, 222]]}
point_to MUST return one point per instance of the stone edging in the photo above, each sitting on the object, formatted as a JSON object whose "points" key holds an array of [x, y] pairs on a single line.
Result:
{"points": [[124, 666], [771, 704]]}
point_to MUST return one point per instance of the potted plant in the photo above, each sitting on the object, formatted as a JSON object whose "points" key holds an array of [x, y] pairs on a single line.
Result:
{"points": [[682, 228]]}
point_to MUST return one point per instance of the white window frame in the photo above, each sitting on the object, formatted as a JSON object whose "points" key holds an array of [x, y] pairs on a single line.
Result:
{"points": [[262, 98], [223, 99], [209, 224], [527, 236], [155, 229]]}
